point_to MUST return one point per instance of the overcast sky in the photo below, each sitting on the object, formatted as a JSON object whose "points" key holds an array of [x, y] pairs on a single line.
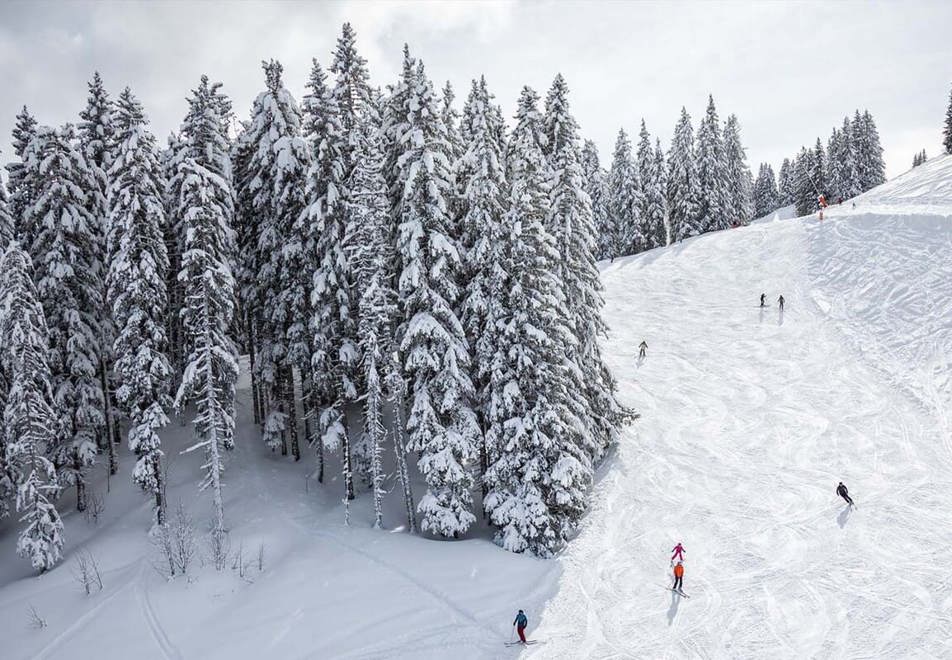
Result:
{"points": [[789, 70]]}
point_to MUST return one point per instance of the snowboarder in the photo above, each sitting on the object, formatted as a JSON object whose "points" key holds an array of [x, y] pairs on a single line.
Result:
{"points": [[763, 300], [520, 623], [678, 551], [678, 577], [780, 300], [843, 492], [642, 348]]}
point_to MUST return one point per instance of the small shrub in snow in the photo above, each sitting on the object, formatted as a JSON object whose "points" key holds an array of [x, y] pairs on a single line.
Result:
{"points": [[175, 542], [86, 572], [36, 621], [219, 547]]}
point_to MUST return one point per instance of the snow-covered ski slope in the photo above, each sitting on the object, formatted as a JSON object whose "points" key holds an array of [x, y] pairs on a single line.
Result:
{"points": [[751, 417]]}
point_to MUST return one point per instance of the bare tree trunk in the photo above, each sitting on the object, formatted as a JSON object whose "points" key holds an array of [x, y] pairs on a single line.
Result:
{"points": [[110, 444], [80, 482], [396, 387], [159, 491], [288, 385], [255, 395], [345, 457]]}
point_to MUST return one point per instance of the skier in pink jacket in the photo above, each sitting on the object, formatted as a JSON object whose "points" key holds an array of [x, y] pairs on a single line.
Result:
{"points": [[678, 551]]}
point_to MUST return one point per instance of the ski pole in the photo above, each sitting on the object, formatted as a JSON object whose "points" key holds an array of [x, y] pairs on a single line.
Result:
{"points": [[512, 634]]}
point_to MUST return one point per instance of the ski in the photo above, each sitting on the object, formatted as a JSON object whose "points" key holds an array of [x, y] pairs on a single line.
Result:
{"points": [[680, 593], [529, 642]]}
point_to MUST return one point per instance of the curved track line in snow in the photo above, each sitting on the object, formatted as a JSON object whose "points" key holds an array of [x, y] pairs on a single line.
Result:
{"points": [[169, 650]]}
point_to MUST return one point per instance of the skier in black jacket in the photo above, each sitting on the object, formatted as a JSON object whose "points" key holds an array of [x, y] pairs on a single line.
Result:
{"points": [[842, 491]]}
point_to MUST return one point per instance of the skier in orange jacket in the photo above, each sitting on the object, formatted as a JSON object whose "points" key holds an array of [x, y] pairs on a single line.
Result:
{"points": [[678, 576]]}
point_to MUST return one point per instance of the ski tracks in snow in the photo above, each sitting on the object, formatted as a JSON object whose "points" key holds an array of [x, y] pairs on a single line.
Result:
{"points": [[750, 417]]}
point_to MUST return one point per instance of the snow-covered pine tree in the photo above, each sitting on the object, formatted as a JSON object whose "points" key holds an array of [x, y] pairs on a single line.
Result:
{"points": [[372, 256], [806, 191], [785, 183], [7, 480], [739, 191], [656, 208], [6, 220], [29, 419], [683, 192], [333, 316], [451, 123], [481, 183], [245, 266], [625, 200], [136, 284], [277, 172], [20, 187], [872, 169], [596, 185], [174, 232], [571, 225], [947, 129], [96, 139], [442, 426], [714, 198], [537, 477], [819, 172], [206, 208], [766, 197], [63, 247], [351, 88]]}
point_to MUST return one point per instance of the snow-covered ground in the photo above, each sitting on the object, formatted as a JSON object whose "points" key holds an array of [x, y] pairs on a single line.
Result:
{"points": [[751, 417]]}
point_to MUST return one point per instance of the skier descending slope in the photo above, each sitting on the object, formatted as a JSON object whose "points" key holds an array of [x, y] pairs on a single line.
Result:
{"points": [[520, 623], [678, 578], [843, 492], [781, 301], [763, 300], [642, 348], [678, 551]]}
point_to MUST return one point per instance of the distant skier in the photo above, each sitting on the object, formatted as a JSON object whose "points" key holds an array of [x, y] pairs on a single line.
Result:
{"points": [[642, 349], [821, 203], [763, 300], [678, 577], [842, 491], [520, 623], [678, 551], [781, 301]]}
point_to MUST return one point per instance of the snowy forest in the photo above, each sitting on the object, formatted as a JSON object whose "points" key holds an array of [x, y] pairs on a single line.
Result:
{"points": [[412, 284]]}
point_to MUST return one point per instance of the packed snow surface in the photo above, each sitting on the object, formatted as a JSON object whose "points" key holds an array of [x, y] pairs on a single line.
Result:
{"points": [[750, 418]]}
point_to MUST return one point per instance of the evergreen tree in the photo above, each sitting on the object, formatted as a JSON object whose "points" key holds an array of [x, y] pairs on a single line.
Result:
{"points": [[174, 232], [713, 198], [334, 358], [818, 174], [869, 154], [20, 185], [786, 185], [442, 426], [766, 197], [206, 208], [947, 129], [535, 482], [277, 171], [625, 201], [29, 419], [373, 264], [6, 220], [683, 191], [481, 181], [843, 179], [64, 234], [596, 185], [96, 137], [136, 282], [570, 223], [656, 205], [739, 190], [804, 172]]}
